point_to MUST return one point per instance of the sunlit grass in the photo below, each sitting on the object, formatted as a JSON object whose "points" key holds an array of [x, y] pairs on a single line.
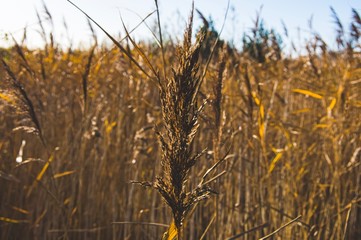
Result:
{"points": [[284, 134]]}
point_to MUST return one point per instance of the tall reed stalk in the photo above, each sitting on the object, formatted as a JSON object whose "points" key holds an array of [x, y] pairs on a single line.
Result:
{"points": [[180, 112]]}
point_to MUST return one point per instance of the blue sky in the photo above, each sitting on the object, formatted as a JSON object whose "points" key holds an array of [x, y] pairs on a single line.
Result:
{"points": [[16, 14]]}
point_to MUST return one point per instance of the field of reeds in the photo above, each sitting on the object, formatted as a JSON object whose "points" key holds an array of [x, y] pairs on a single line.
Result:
{"points": [[217, 142]]}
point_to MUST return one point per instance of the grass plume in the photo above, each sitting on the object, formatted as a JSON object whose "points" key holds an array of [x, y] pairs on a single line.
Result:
{"points": [[180, 111]]}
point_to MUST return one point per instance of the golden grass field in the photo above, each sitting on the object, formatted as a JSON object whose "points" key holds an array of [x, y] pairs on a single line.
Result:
{"points": [[280, 136]]}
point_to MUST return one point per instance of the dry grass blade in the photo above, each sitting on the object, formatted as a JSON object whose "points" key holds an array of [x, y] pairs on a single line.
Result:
{"points": [[208, 227], [204, 20], [86, 75], [11, 220], [143, 223], [356, 17], [121, 48], [353, 160], [42, 33], [40, 175], [347, 222], [355, 26], [211, 169], [78, 230], [26, 103], [340, 30], [213, 179], [20, 52], [161, 40], [94, 35], [285, 29], [140, 51], [47, 12], [248, 231], [143, 20], [279, 229], [307, 93]]}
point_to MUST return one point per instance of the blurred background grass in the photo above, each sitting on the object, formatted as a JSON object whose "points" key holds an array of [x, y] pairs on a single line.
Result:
{"points": [[291, 131]]}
